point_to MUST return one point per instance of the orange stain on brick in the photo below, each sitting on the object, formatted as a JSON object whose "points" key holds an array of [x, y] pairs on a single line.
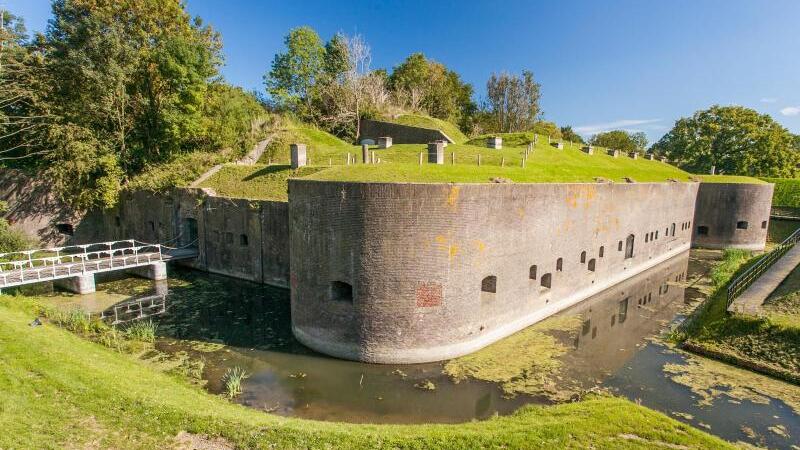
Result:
{"points": [[452, 197], [481, 246]]}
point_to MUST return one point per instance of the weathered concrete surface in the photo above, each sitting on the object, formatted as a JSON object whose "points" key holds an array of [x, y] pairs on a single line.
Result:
{"points": [[751, 300], [156, 271], [400, 134], [415, 256], [80, 284], [721, 210]]}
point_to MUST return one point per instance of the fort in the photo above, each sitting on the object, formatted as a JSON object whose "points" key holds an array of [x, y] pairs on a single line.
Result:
{"points": [[419, 270]]}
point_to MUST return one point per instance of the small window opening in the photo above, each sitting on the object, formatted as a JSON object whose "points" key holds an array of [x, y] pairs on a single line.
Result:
{"points": [[532, 273], [623, 310], [591, 264], [229, 238], [152, 225], [587, 327], [629, 246], [546, 280], [647, 237], [619, 246], [742, 225], [656, 234], [489, 284], [117, 221], [65, 228], [602, 251], [559, 264], [764, 225], [583, 257], [243, 240], [702, 230], [673, 229], [341, 291]]}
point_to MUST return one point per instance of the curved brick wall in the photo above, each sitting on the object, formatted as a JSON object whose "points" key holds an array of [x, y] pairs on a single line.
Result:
{"points": [[416, 255], [733, 215]]}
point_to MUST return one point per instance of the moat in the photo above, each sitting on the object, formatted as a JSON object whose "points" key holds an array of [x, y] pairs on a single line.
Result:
{"points": [[217, 323]]}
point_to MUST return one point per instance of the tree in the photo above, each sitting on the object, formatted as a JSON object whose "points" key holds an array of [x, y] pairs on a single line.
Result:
{"points": [[513, 101], [569, 135], [295, 72], [420, 84], [620, 140], [735, 139]]}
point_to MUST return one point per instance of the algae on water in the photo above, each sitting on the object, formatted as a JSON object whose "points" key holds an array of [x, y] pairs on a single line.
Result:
{"points": [[526, 362]]}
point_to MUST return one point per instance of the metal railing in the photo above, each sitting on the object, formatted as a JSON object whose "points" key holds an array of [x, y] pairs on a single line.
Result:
{"points": [[743, 281], [45, 264]]}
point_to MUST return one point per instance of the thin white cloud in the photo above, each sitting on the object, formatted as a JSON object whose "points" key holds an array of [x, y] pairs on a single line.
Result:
{"points": [[625, 124], [791, 111], [769, 100]]}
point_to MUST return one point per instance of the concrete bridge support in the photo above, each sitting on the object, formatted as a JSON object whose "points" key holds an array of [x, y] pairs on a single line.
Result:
{"points": [[81, 284], [155, 271]]}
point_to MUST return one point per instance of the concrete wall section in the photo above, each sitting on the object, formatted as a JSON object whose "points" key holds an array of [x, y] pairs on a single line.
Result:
{"points": [[400, 134], [732, 215], [419, 258]]}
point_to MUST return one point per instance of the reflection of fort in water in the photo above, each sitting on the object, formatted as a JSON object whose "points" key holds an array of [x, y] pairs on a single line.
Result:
{"points": [[618, 321]]}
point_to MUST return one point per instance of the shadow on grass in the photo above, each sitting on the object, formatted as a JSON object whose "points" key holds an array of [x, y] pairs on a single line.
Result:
{"points": [[269, 170]]}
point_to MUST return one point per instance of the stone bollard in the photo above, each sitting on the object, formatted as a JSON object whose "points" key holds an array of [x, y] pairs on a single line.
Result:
{"points": [[558, 145], [613, 153], [633, 155], [479, 159], [436, 153], [588, 149], [364, 153], [298, 153], [385, 142], [663, 159], [713, 170], [651, 157], [494, 142]]}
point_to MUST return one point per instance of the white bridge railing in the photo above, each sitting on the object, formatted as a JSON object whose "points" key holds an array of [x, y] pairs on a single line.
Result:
{"points": [[44, 264]]}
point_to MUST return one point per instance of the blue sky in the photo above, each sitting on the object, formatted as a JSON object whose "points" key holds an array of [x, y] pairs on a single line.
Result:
{"points": [[634, 65]]}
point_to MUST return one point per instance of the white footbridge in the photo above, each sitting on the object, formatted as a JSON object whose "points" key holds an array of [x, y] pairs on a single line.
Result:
{"points": [[73, 267]]}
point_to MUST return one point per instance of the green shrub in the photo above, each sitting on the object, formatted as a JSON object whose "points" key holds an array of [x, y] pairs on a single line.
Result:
{"points": [[143, 331], [732, 259], [787, 192]]}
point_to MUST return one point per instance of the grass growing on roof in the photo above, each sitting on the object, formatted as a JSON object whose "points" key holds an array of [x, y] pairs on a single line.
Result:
{"points": [[60, 390], [257, 182]]}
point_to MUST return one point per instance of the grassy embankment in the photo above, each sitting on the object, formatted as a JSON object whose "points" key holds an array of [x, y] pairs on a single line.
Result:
{"points": [[787, 193], [769, 344], [59, 390], [431, 123]]}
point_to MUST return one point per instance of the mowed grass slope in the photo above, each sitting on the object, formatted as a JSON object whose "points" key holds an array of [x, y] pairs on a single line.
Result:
{"points": [[431, 123], [256, 182], [62, 391]]}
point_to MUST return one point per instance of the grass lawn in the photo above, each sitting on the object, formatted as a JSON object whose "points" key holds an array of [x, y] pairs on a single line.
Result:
{"points": [[768, 344], [60, 390], [257, 182]]}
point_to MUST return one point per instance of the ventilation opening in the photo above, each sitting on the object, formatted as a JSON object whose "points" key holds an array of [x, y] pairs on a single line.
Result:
{"points": [[65, 228], [341, 291], [629, 246], [546, 281], [742, 225], [702, 230], [672, 229], [764, 224], [117, 221], [602, 251], [489, 284], [591, 264], [559, 264], [619, 246], [646, 237], [583, 257], [243, 240], [656, 234], [532, 273]]}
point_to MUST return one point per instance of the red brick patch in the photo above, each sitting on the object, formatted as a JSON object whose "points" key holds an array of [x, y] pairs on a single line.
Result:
{"points": [[429, 295]]}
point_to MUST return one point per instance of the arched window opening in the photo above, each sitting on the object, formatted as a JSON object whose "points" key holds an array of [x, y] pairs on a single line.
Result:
{"points": [[559, 264], [546, 281], [117, 221], [656, 234], [646, 237], [243, 240], [742, 225], [591, 264], [629, 246], [619, 246], [532, 272], [673, 229], [489, 284], [764, 225], [65, 228], [602, 251], [702, 230], [341, 291], [583, 256]]}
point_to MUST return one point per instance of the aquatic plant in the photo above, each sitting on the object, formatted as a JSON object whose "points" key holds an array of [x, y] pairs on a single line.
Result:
{"points": [[233, 381], [426, 385], [144, 331]]}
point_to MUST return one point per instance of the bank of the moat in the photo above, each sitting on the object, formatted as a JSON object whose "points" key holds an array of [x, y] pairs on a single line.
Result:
{"points": [[606, 342]]}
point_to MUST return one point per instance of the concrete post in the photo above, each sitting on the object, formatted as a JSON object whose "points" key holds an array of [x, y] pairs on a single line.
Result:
{"points": [[558, 145], [155, 271], [436, 153], [589, 150], [713, 169], [80, 284], [385, 142], [651, 157], [298, 154], [633, 155], [364, 153], [613, 153], [494, 142]]}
